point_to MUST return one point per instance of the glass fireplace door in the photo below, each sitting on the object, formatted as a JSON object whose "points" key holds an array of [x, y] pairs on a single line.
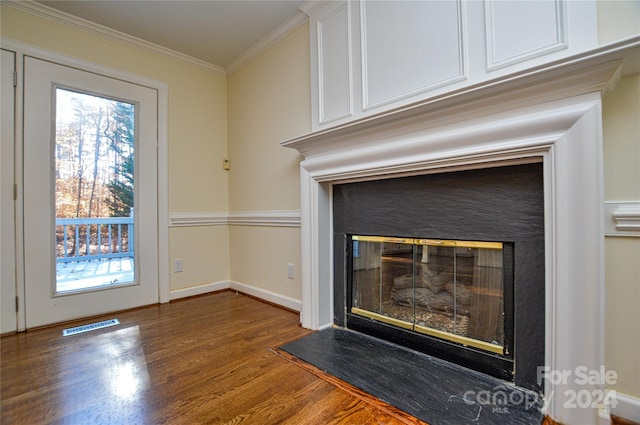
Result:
{"points": [[379, 264], [452, 290]]}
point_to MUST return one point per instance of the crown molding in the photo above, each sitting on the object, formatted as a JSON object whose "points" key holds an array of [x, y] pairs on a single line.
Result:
{"points": [[309, 7], [75, 22], [267, 42]]}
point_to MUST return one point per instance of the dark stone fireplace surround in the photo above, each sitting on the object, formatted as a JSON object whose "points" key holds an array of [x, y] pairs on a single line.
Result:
{"points": [[504, 204]]}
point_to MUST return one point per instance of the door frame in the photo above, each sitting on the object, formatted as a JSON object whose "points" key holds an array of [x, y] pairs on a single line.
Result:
{"points": [[21, 50], [7, 203]]}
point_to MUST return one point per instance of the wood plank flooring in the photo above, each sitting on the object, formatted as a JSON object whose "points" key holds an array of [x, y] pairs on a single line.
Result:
{"points": [[202, 360]]}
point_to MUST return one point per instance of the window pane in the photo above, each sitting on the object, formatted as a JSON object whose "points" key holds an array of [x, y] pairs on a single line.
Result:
{"points": [[94, 187]]}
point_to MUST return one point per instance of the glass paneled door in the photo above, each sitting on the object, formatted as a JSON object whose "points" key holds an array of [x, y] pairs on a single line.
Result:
{"points": [[94, 156], [90, 194]]}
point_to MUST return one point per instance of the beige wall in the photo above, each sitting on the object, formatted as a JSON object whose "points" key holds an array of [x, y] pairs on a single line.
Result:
{"points": [[269, 101], [197, 137], [621, 127], [617, 19], [204, 251]]}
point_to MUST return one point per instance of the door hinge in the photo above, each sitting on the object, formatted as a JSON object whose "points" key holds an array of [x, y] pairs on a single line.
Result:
{"points": [[17, 304], [15, 78], [15, 191]]}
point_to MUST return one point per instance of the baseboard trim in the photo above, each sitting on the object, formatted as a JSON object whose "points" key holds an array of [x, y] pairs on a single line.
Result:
{"points": [[198, 290], [263, 294], [627, 408], [616, 420], [622, 410], [284, 301], [327, 326]]}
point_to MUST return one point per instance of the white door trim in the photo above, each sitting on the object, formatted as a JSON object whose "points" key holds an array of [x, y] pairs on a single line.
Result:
{"points": [[8, 318], [21, 49]]}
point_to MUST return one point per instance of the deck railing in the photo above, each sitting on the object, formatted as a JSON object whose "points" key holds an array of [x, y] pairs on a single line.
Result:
{"points": [[83, 239]]}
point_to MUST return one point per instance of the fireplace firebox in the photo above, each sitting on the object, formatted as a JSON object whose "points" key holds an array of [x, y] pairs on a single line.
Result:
{"points": [[449, 264], [452, 290]]}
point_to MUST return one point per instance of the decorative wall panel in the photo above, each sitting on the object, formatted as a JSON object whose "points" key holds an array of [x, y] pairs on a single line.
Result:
{"points": [[373, 56], [409, 47], [516, 33], [334, 66]]}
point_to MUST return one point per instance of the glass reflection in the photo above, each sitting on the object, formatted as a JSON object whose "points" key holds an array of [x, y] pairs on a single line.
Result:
{"points": [[448, 289]]}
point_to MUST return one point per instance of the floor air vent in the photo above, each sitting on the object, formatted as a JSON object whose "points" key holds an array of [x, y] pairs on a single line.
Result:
{"points": [[90, 327]]}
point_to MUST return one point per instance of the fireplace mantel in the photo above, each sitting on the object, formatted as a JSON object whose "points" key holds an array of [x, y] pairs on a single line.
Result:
{"points": [[550, 114]]}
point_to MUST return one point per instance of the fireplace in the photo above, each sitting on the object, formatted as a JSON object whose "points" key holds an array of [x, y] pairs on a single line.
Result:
{"points": [[549, 118], [450, 264]]}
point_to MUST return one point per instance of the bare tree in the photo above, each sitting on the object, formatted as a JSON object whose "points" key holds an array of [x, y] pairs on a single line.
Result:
{"points": [[97, 119]]}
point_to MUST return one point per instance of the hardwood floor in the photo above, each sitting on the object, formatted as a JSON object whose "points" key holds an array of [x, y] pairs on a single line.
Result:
{"points": [[203, 360]]}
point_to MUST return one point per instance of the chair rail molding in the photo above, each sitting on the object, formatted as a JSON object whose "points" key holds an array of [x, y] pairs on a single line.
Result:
{"points": [[198, 219], [622, 218], [270, 218], [276, 218]]}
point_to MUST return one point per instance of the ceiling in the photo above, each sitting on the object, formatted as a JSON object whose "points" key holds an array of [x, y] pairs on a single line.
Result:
{"points": [[213, 31]]}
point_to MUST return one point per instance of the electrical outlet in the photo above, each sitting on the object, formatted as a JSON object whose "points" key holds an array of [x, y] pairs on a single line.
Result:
{"points": [[177, 265], [290, 270]]}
